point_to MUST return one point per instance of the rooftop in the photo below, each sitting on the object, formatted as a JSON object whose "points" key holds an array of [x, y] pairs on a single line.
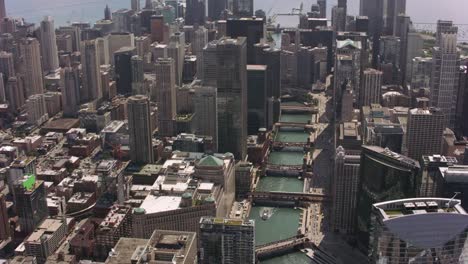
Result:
{"points": [[157, 204]]}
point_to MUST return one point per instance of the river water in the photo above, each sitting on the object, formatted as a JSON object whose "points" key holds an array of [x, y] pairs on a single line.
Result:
{"points": [[92, 10]]}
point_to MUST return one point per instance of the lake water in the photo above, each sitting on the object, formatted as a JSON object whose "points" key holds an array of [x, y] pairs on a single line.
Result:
{"points": [[427, 11]]}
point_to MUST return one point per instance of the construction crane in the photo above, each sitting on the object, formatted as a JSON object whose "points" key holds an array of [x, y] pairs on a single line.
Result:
{"points": [[294, 12]]}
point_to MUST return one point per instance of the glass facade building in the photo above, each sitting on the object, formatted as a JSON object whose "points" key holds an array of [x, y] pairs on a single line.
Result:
{"points": [[421, 230]]}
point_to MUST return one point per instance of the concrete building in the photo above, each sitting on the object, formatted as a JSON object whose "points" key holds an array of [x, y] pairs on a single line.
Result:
{"points": [[371, 87], [139, 125], [31, 58], [31, 203], [7, 65], [122, 20], [200, 39], [444, 78], [226, 241], [345, 191], [424, 132], [37, 111], [70, 83], [176, 51], [5, 228], [14, 93], [430, 171], [163, 246], [403, 231], [165, 94], [118, 40], [421, 72], [48, 39], [232, 96], [47, 238], [92, 85], [206, 108], [115, 225], [338, 18], [244, 173]]}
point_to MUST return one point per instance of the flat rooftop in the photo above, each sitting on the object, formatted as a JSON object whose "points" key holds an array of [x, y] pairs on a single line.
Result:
{"points": [[157, 204], [415, 206]]}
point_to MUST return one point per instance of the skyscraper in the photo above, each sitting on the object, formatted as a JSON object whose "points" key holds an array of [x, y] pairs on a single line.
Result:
{"points": [[256, 97], [107, 13], [215, 7], [31, 58], [204, 103], [176, 51], [338, 18], [135, 5], [430, 175], [445, 68], [207, 64], [195, 12], [123, 69], [49, 45], [139, 126], [200, 39], [165, 95], [424, 132], [371, 87], [70, 83], [391, 10], [92, 86], [31, 203], [226, 241], [251, 28], [232, 96], [384, 175], [7, 65], [14, 93], [345, 182], [4, 219], [271, 57], [2, 9], [36, 108], [243, 8], [157, 28], [322, 8], [418, 230]]}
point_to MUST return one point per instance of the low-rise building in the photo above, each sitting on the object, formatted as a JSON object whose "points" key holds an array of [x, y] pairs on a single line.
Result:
{"points": [[46, 239]]}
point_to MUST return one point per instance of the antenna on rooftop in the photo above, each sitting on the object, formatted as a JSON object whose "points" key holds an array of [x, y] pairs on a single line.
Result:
{"points": [[451, 199]]}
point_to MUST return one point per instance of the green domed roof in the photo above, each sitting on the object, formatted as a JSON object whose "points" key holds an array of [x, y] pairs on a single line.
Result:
{"points": [[187, 195], [209, 200], [211, 161], [139, 211]]}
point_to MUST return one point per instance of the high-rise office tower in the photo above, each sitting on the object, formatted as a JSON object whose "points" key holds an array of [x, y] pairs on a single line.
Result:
{"points": [[49, 45], [390, 10], [157, 28], [401, 30], [322, 8], [2, 9], [256, 97], [123, 69], [122, 20], [7, 65], [271, 57], [371, 87], [215, 8], [430, 176], [338, 18], [384, 175], [243, 8], [445, 74], [206, 109], [138, 75], [165, 95], [92, 86], [75, 34], [418, 230], [31, 58], [232, 96], [207, 64], [200, 39], [31, 203], [14, 93], [70, 83], [135, 5], [195, 12], [226, 241], [251, 28], [343, 4], [107, 13], [176, 51], [5, 229], [36, 109], [414, 49], [345, 182], [139, 126], [2, 89], [424, 132], [421, 72]]}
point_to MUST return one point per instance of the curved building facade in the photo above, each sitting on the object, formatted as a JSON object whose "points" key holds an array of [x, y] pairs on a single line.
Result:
{"points": [[419, 230]]}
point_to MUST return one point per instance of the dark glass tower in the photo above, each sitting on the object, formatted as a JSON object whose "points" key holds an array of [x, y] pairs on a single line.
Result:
{"points": [[256, 98], [251, 28], [123, 69]]}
